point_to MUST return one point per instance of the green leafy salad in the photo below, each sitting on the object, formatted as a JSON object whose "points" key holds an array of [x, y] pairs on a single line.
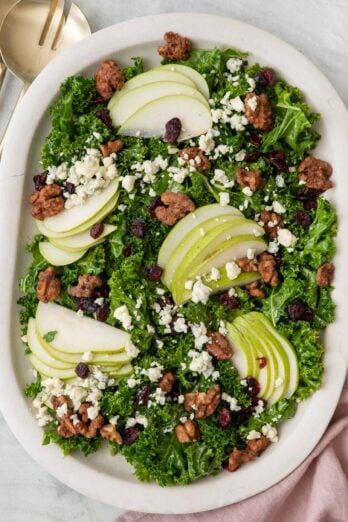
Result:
{"points": [[182, 271]]}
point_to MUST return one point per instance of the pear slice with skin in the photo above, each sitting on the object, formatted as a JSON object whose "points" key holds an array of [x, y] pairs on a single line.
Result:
{"points": [[98, 218], [135, 99], [38, 350], [186, 224], [151, 76], [151, 119], [58, 257], [190, 73], [81, 241], [190, 240], [242, 359], [70, 219], [75, 334]]}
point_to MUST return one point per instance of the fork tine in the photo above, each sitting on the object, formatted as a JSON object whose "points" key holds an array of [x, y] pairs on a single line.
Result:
{"points": [[52, 10], [58, 32]]}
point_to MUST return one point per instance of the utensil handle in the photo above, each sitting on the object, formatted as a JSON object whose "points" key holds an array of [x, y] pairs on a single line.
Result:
{"points": [[21, 94], [3, 70]]}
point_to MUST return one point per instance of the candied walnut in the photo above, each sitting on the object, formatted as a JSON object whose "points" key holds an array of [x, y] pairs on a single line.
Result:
{"points": [[203, 403], [250, 178], [108, 79], [46, 202], [255, 290], [325, 274], [218, 346], [187, 432], [272, 222], [86, 427], [59, 400], [66, 428], [48, 285], [258, 111], [267, 268], [253, 450], [196, 158], [111, 146], [176, 47], [167, 381], [247, 265], [86, 285], [177, 205], [83, 411], [110, 433], [315, 173]]}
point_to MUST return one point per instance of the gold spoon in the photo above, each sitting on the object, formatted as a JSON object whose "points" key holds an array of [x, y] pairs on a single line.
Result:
{"points": [[24, 27]]}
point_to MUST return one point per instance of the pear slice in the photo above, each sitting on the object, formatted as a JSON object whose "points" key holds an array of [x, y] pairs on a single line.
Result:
{"points": [[151, 76], [57, 257], [48, 371], [243, 358], [38, 350], [135, 99], [75, 334], [150, 120], [98, 218], [190, 73], [186, 224], [70, 219], [192, 239], [82, 241]]}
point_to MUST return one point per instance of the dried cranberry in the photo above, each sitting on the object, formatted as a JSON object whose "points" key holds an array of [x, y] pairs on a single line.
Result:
{"points": [[165, 301], [156, 202], [277, 159], [103, 312], [298, 310], [239, 417], [70, 187], [40, 180], [130, 435], [307, 194], [86, 304], [252, 156], [127, 250], [172, 130], [104, 116], [260, 80], [143, 395], [231, 301], [97, 230], [302, 218], [255, 138], [102, 291], [262, 362], [139, 228], [252, 386], [154, 273], [97, 99], [310, 204], [82, 370], [269, 76], [225, 419]]}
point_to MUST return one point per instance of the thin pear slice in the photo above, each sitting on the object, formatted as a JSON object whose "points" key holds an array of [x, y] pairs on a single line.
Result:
{"points": [[190, 240], [186, 224], [291, 355], [70, 219], [98, 218], [75, 334], [134, 99], [122, 371], [39, 351], [48, 371], [243, 353], [117, 358], [58, 257], [150, 120], [190, 73], [82, 241], [151, 76]]}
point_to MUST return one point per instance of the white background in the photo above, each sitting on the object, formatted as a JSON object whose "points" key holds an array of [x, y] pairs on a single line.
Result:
{"points": [[318, 28]]}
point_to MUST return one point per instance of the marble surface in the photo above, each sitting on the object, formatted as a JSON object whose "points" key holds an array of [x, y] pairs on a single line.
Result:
{"points": [[315, 27]]}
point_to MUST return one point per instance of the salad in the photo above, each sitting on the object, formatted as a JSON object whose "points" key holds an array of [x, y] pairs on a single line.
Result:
{"points": [[181, 274]]}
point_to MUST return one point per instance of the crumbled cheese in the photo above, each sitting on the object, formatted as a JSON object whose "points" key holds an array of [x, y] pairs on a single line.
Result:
{"points": [[87, 357], [188, 284], [62, 410], [238, 122], [234, 64], [253, 434], [236, 104], [154, 373], [247, 192], [221, 178], [278, 207], [252, 84], [92, 412], [215, 274], [181, 399], [280, 181], [199, 332], [150, 328], [273, 247], [259, 409], [224, 199], [99, 301], [122, 314], [270, 432], [232, 270], [252, 103], [201, 362], [222, 328], [132, 382], [180, 325], [113, 420], [206, 143], [128, 182], [286, 238], [233, 403], [251, 253], [240, 155], [200, 292], [131, 349]]}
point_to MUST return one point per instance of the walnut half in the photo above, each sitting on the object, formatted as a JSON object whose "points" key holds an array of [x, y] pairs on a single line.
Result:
{"points": [[203, 403], [187, 432]]}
